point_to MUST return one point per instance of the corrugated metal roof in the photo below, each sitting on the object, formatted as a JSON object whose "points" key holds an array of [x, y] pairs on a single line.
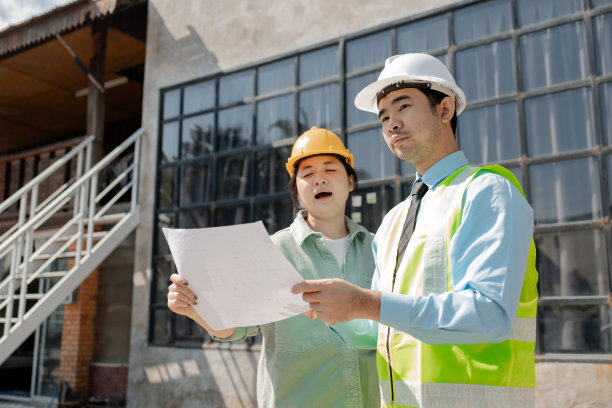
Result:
{"points": [[58, 20]]}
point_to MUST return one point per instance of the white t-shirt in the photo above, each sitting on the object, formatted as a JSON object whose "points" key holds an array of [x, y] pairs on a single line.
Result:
{"points": [[338, 248]]}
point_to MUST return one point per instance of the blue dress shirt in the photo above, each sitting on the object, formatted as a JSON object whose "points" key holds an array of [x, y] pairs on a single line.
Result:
{"points": [[487, 258]]}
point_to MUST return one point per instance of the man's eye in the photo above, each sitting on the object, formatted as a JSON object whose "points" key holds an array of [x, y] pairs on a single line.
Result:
{"points": [[331, 170], [384, 119], [403, 107]]}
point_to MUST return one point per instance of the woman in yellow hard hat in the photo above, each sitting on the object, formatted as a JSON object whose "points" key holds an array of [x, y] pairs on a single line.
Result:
{"points": [[302, 363]]}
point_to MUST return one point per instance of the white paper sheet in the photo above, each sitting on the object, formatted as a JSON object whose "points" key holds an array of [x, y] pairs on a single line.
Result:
{"points": [[239, 276]]}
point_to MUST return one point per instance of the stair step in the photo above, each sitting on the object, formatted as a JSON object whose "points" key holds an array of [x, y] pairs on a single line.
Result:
{"points": [[95, 235], [110, 218], [29, 296], [52, 274], [64, 255]]}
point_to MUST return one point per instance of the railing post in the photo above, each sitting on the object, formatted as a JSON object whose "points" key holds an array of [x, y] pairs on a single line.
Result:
{"points": [[135, 174], [79, 172], [23, 253], [92, 210]]}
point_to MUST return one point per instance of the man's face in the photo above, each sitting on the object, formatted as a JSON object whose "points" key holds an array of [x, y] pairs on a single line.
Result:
{"points": [[409, 125]]}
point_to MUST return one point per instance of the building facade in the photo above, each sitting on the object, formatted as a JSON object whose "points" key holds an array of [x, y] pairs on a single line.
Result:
{"points": [[229, 85]]}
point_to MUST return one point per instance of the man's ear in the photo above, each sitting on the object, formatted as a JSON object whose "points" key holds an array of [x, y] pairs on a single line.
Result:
{"points": [[447, 109]]}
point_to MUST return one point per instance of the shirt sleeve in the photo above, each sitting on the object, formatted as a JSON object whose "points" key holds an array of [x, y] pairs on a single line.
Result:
{"points": [[488, 258], [240, 334]]}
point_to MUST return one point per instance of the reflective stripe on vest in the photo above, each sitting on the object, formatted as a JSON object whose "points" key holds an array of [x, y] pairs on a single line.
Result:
{"points": [[501, 374]]}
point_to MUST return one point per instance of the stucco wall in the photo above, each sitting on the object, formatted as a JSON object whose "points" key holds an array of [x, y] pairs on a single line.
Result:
{"points": [[189, 39]]}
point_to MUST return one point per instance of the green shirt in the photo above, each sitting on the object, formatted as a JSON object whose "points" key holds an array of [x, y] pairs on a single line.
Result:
{"points": [[303, 363]]}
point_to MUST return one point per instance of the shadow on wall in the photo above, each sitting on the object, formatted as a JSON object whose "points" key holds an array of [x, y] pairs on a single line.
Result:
{"points": [[187, 51]]}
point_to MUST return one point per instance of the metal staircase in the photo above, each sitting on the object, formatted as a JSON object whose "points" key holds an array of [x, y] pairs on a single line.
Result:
{"points": [[41, 269]]}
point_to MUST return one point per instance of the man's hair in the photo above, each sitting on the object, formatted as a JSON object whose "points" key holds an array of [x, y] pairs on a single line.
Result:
{"points": [[293, 185], [434, 97]]}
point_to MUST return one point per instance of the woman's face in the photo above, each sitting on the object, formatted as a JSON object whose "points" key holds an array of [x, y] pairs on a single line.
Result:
{"points": [[323, 186]]}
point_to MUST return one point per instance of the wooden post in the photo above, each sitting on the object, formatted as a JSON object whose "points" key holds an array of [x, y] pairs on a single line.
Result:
{"points": [[95, 98]]}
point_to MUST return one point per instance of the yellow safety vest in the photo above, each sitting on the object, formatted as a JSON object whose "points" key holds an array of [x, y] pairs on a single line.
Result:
{"points": [[415, 374]]}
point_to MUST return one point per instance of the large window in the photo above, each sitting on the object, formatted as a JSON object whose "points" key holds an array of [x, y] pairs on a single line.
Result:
{"points": [[538, 80]]}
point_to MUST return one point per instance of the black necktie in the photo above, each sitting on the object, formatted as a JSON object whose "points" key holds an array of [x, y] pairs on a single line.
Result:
{"points": [[418, 191]]}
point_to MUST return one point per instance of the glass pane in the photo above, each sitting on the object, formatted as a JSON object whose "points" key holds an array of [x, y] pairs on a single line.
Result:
{"points": [[276, 76], [605, 103], [319, 64], [196, 183], [490, 134], [276, 214], [368, 51], [355, 116], [603, 43], [566, 191], [407, 169], [272, 176], [568, 123], [373, 159], [487, 71], [172, 103], [163, 270], [531, 12], [198, 218], [609, 164], [232, 176], [197, 136], [164, 220], [166, 187], [368, 206], [274, 119], [481, 20], [234, 128], [554, 56], [574, 329], [199, 97], [170, 142], [599, 3], [49, 355], [232, 215], [422, 36], [572, 263], [236, 87], [186, 329], [161, 326], [320, 107]]}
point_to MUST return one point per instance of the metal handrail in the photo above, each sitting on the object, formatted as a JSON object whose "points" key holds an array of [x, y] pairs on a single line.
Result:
{"points": [[46, 173], [27, 264], [68, 192]]}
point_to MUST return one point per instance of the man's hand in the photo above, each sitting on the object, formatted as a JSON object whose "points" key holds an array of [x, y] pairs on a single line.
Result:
{"points": [[336, 300]]}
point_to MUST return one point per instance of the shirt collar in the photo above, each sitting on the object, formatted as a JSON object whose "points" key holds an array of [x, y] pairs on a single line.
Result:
{"points": [[302, 231], [442, 169]]}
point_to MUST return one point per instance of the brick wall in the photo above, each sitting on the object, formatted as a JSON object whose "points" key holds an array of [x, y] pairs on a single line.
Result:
{"points": [[78, 339], [108, 382]]}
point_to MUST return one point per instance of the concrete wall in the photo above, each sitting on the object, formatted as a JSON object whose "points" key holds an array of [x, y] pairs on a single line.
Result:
{"points": [[194, 38]]}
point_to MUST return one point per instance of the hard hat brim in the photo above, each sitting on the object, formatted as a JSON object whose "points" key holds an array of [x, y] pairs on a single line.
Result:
{"points": [[366, 98]]}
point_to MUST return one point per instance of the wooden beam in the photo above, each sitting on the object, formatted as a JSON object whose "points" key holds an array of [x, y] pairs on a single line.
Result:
{"points": [[95, 98]]}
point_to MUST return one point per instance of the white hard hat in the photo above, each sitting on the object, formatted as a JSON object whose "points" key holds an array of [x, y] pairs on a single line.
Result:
{"points": [[411, 68]]}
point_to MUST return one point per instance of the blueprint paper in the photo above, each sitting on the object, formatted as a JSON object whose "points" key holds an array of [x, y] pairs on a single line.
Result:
{"points": [[239, 276]]}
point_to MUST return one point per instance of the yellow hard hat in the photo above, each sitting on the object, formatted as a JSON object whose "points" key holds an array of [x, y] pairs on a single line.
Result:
{"points": [[317, 141]]}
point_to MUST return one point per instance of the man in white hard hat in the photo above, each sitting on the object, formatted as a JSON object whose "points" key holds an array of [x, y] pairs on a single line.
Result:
{"points": [[453, 301]]}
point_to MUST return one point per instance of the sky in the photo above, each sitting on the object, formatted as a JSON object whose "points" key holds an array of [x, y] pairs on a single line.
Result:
{"points": [[17, 11]]}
